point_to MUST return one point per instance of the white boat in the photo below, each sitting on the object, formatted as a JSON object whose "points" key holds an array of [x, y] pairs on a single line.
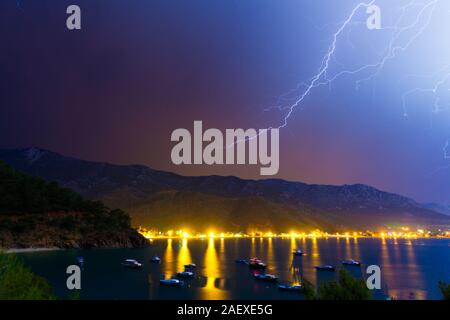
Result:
{"points": [[351, 262], [185, 274], [297, 252], [80, 261], [325, 268], [156, 259], [266, 277], [288, 287], [130, 263], [255, 263], [171, 282]]}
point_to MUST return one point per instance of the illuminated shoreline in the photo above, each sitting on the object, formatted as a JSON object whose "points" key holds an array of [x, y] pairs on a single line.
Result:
{"points": [[405, 234]]}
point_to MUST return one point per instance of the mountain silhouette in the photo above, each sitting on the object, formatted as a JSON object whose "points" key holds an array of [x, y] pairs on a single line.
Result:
{"points": [[165, 200]]}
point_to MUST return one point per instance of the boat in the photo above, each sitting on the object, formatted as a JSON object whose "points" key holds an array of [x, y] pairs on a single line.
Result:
{"points": [[257, 264], [130, 263], [190, 266], [266, 277], [325, 268], [241, 261], [288, 287], [185, 274], [80, 261], [156, 259], [297, 252], [351, 262], [171, 282]]}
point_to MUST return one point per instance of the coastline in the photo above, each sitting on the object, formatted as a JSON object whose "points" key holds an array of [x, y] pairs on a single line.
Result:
{"points": [[22, 250]]}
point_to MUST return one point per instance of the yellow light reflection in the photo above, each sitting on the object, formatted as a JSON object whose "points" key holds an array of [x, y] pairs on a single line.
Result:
{"points": [[270, 256], [253, 248], [184, 255], [212, 273], [169, 259]]}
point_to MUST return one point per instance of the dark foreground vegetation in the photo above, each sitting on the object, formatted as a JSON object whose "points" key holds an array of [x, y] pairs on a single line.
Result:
{"points": [[445, 290], [348, 287], [345, 288], [17, 282], [36, 213]]}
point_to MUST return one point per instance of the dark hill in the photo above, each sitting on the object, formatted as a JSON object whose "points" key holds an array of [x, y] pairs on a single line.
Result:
{"points": [[163, 199], [36, 213]]}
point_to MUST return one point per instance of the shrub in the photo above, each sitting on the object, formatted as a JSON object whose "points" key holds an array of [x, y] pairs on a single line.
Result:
{"points": [[17, 282], [445, 290], [346, 288]]}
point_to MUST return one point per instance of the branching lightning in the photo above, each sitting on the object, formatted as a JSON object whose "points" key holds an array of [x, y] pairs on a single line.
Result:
{"points": [[446, 151], [315, 80], [322, 77], [403, 33]]}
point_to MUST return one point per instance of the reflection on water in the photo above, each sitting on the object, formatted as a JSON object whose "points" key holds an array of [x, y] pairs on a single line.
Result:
{"points": [[168, 259], [395, 256], [296, 265], [317, 252], [211, 289], [348, 249], [270, 259], [356, 252], [184, 256], [410, 268], [253, 249]]}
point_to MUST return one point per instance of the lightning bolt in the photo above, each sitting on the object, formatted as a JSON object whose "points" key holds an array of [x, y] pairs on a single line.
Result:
{"points": [[395, 46], [322, 78], [434, 90], [292, 100], [446, 151], [315, 80]]}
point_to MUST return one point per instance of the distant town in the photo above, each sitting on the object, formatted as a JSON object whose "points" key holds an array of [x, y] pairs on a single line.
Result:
{"points": [[403, 232]]}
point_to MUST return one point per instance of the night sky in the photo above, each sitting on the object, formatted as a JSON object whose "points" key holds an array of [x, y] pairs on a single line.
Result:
{"points": [[115, 90]]}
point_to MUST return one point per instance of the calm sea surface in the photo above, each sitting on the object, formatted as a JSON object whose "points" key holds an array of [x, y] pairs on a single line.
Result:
{"points": [[410, 269]]}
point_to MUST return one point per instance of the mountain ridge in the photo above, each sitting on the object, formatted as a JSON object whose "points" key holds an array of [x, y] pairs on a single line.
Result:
{"points": [[134, 188]]}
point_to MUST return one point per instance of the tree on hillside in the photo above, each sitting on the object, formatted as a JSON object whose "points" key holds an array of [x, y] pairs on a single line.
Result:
{"points": [[445, 290], [17, 282], [345, 288], [21, 193]]}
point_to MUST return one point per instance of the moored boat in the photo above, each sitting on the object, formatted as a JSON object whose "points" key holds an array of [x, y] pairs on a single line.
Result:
{"points": [[185, 274], [288, 287], [325, 268], [171, 282], [351, 262], [80, 261], [266, 277], [131, 263], [257, 264], [156, 259]]}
